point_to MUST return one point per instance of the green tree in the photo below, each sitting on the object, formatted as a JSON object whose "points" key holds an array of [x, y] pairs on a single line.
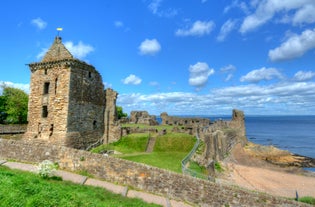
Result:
{"points": [[120, 112], [15, 105], [3, 113]]}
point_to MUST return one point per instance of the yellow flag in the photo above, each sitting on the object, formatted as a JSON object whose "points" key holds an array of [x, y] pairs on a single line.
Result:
{"points": [[59, 29]]}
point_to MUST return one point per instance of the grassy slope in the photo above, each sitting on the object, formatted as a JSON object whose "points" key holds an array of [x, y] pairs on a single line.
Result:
{"points": [[169, 149], [19, 188]]}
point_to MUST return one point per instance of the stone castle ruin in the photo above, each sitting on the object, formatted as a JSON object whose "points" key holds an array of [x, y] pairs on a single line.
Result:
{"points": [[67, 102]]}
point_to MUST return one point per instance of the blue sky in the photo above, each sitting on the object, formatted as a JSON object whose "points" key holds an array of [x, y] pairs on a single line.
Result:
{"points": [[200, 57]]}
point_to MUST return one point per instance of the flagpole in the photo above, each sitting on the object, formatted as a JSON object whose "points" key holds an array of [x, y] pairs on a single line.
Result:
{"points": [[59, 29]]}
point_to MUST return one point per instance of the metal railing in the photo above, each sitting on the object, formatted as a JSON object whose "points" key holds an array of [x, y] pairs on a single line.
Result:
{"points": [[188, 157]]}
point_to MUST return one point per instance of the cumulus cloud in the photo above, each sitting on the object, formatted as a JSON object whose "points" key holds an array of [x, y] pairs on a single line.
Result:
{"points": [[80, 50], [225, 30], [198, 28], [199, 74], [284, 98], [295, 12], [132, 80], [304, 75], [261, 74], [294, 47], [23, 86], [39, 23], [149, 47]]}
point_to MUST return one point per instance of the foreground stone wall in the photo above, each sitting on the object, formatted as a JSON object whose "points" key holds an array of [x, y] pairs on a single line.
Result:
{"points": [[140, 176]]}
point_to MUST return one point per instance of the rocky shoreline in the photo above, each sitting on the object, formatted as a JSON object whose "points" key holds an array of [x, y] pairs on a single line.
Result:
{"points": [[279, 157]]}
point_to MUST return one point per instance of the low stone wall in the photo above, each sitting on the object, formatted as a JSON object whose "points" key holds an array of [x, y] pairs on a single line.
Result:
{"points": [[12, 128], [140, 176]]}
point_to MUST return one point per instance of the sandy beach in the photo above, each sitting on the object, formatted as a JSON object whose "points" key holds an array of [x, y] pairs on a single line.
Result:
{"points": [[254, 174]]}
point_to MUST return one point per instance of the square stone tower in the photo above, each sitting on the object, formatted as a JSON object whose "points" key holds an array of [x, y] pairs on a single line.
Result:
{"points": [[67, 100]]}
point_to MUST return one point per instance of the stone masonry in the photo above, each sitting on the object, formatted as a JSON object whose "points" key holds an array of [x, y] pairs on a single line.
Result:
{"points": [[67, 101]]}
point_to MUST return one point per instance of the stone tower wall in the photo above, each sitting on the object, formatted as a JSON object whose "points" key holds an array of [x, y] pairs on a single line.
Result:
{"points": [[67, 102], [86, 106], [49, 88]]}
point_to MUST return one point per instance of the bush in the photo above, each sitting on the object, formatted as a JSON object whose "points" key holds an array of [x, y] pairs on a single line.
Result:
{"points": [[47, 169]]}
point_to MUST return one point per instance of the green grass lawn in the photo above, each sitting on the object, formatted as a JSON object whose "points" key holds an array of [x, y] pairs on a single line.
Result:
{"points": [[168, 152], [166, 160], [24, 189]]}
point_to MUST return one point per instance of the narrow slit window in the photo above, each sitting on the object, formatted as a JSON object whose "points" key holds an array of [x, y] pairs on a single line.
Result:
{"points": [[46, 88], [45, 71], [90, 74], [56, 85], [45, 112]]}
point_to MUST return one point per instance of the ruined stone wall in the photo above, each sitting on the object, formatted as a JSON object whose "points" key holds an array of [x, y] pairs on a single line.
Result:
{"points": [[139, 176], [142, 117], [184, 121], [220, 138], [112, 129]]}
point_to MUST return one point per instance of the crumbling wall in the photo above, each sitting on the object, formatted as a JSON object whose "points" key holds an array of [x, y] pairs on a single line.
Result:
{"points": [[184, 121], [142, 117], [220, 138], [112, 130]]}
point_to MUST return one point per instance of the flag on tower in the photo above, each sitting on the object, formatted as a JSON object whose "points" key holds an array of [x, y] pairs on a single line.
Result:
{"points": [[59, 29]]}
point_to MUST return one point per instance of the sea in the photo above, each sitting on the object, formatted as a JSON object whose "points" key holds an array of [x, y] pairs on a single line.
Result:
{"points": [[293, 133]]}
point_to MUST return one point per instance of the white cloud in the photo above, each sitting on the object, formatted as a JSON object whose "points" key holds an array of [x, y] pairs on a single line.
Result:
{"points": [[237, 4], [155, 8], [285, 98], [22, 86], [132, 80], [228, 77], [294, 47], [304, 75], [39, 23], [42, 53], [199, 28], [199, 74], [261, 74], [118, 24], [226, 28], [304, 15], [149, 47], [80, 50], [297, 12], [228, 68]]}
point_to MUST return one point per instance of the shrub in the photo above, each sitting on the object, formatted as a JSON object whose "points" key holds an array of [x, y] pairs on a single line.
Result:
{"points": [[47, 169]]}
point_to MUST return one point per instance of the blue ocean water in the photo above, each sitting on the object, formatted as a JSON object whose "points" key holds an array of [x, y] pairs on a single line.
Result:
{"points": [[293, 133]]}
